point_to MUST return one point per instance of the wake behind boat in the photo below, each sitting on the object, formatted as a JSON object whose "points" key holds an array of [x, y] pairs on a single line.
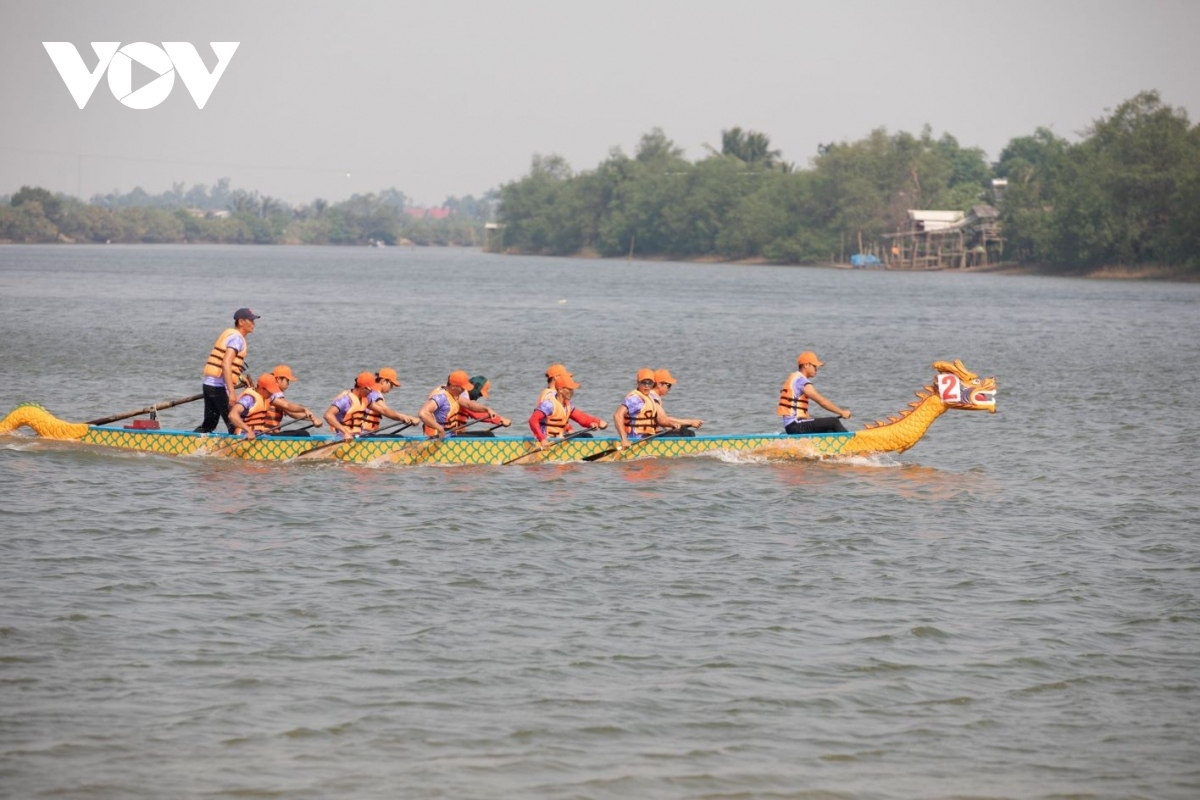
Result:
{"points": [[954, 387]]}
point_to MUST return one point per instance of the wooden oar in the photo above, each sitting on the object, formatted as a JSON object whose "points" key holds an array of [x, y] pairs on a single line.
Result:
{"points": [[337, 442], [324, 446], [375, 435], [611, 450], [404, 425], [277, 429], [559, 443], [147, 410], [473, 421], [285, 429], [388, 432], [418, 443]]}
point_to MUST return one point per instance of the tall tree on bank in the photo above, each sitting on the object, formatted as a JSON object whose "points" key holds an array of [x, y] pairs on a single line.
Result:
{"points": [[1127, 194]]}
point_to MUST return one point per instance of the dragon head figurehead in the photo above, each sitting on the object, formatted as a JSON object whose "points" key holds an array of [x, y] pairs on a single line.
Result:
{"points": [[955, 386], [962, 389]]}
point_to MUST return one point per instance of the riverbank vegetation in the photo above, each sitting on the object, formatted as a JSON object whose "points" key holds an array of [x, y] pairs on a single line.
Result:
{"points": [[1127, 193], [220, 215], [1126, 196]]}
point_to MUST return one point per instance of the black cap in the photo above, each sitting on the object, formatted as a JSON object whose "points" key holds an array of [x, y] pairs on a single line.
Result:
{"points": [[244, 313]]}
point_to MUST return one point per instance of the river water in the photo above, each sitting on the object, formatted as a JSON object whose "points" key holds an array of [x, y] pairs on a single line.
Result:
{"points": [[1009, 610]]}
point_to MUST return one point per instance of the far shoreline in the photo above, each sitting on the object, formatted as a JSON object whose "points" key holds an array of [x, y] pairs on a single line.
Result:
{"points": [[1149, 272]]}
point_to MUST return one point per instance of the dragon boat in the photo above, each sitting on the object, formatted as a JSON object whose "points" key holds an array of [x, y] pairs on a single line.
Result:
{"points": [[954, 387]]}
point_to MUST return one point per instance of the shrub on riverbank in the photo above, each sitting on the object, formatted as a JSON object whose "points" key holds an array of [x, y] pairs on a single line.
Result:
{"points": [[36, 215]]}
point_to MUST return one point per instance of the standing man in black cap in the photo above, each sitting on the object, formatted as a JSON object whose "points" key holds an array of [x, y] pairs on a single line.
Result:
{"points": [[223, 371]]}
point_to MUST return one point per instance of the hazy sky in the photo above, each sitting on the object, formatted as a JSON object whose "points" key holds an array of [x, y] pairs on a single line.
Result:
{"points": [[437, 98]]}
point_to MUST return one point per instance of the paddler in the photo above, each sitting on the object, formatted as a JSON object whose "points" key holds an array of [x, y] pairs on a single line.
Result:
{"points": [[345, 414], [639, 414], [441, 412], [377, 407], [224, 371], [663, 381], [552, 372], [480, 388], [280, 405], [554, 412], [249, 413], [797, 391]]}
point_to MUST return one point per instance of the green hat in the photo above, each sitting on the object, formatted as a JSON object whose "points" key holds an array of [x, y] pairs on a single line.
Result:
{"points": [[479, 387]]}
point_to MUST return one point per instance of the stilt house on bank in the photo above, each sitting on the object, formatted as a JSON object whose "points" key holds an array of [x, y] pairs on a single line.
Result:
{"points": [[945, 240]]}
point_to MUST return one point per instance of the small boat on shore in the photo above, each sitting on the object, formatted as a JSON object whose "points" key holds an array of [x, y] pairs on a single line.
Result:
{"points": [[954, 388]]}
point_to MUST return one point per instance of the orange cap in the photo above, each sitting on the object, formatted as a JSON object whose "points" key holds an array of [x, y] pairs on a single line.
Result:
{"points": [[555, 369], [268, 384], [460, 379], [645, 374], [564, 380], [366, 380], [664, 376], [389, 374], [283, 371], [809, 357]]}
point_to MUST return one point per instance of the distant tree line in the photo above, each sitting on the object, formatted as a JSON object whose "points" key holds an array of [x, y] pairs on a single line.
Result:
{"points": [[222, 215], [1128, 193]]}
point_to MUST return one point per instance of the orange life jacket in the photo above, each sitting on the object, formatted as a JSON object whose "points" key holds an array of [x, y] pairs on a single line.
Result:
{"points": [[790, 403], [645, 421], [457, 420], [274, 417], [213, 368], [256, 417], [559, 418], [353, 419], [454, 413], [371, 418], [659, 403]]}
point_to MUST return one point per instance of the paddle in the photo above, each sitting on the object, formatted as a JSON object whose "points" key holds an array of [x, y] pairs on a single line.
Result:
{"points": [[277, 429], [562, 441], [473, 421], [611, 450], [404, 425], [285, 429], [351, 440], [147, 410], [389, 431], [324, 446]]}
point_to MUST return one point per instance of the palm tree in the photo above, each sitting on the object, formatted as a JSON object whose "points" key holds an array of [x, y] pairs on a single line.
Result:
{"points": [[749, 147]]}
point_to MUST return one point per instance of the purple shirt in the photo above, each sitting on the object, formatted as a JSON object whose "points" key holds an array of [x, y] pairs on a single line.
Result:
{"points": [[443, 408], [247, 402], [342, 404]]}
